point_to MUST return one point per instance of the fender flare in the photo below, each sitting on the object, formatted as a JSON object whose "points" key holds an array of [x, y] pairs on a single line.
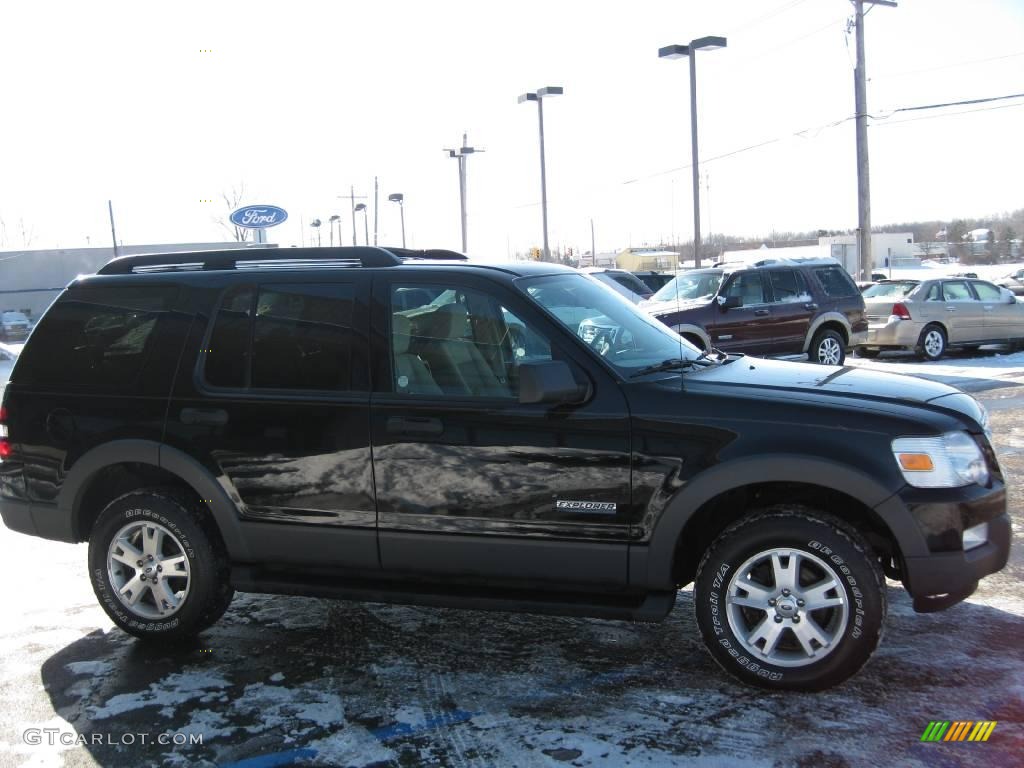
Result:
{"points": [[828, 317], [695, 330], [671, 525], [224, 509]]}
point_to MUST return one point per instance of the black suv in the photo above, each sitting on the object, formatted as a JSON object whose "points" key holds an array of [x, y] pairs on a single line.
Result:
{"points": [[381, 424], [776, 307]]}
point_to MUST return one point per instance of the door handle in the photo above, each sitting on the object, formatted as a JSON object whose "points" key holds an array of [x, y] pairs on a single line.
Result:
{"points": [[951, 309], [414, 425], [204, 416], [761, 312], [811, 305]]}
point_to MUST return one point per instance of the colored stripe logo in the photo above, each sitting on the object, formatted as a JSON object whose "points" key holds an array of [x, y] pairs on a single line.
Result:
{"points": [[958, 730]]}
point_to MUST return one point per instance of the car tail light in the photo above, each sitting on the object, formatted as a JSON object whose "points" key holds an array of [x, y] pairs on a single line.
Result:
{"points": [[5, 444], [899, 309]]}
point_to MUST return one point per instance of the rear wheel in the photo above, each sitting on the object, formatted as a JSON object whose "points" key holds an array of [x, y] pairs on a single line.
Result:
{"points": [[790, 598], [931, 345], [828, 348], [157, 565]]}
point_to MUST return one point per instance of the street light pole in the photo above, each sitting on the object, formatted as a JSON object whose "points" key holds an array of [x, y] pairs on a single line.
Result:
{"points": [[398, 197], [366, 225], [538, 96], [690, 51]]}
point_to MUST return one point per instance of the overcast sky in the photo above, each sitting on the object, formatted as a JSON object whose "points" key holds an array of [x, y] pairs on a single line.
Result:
{"points": [[300, 100]]}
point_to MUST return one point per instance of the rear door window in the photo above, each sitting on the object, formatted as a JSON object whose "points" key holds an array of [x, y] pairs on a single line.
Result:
{"points": [[957, 290], [788, 287], [296, 337]]}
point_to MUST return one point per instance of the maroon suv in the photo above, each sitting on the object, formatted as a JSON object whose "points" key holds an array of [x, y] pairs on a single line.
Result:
{"points": [[773, 308]]}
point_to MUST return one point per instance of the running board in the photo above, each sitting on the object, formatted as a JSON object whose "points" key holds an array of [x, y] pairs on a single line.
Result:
{"points": [[647, 606]]}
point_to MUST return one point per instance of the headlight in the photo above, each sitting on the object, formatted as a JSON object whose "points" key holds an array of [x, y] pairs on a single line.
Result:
{"points": [[949, 461]]}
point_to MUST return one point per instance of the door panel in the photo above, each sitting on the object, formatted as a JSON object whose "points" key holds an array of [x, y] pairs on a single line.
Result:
{"points": [[1002, 320], [543, 491], [279, 398], [792, 310], [966, 317], [748, 328]]}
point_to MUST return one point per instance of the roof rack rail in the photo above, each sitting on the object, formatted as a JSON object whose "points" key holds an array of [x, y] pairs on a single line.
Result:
{"points": [[358, 256]]}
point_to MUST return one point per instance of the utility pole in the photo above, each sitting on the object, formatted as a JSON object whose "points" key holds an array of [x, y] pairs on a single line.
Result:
{"points": [[593, 248], [113, 234], [461, 154], [861, 110], [376, 208], [352, 197]]}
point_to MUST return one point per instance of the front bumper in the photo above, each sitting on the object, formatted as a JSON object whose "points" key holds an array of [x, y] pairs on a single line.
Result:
{"points": [[893, 333], [936, 570]]}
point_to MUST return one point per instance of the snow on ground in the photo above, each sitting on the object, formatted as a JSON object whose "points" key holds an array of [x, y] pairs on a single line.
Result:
{"points": [[988, 368]]}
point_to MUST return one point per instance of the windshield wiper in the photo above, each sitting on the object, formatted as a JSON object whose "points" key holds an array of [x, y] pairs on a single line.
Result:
{"points": [[673, 363]]}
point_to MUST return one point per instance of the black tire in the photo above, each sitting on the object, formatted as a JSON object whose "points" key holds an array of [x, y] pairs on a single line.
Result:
{"points": [[819, 539], [870, 354], [186, 529], [932, 343], [828, 348]]}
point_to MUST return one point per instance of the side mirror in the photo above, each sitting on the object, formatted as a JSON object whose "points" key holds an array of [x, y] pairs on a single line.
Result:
{"points": [[549, 382], [729, 302], [1008, 296]]}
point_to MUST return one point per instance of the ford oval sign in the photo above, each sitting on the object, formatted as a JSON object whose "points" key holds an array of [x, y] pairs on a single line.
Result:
{"points": [[258, 216]]}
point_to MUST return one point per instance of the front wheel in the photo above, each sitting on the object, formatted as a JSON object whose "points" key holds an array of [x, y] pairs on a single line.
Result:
{"points": [[790, 598], [828, 348], [157, 565]]}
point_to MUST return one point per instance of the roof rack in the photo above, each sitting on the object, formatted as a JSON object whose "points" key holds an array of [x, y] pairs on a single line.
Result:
{"points": [[281, 258]]}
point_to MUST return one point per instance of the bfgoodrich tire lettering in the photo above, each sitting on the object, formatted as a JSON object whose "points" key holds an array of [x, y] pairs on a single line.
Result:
{"points": [[205, 594], [846, 620]]}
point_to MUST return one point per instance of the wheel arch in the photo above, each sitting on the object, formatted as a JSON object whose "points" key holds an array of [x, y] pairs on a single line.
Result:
{"points": [[111, 469], [830, 320], [719, 497], [686, 329]]}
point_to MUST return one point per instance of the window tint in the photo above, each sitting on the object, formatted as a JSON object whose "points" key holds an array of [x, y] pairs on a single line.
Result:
{"points": [[789, 286], [227, 358], [988, 292], [747, 286], [462, 342], [302, 338], [97, 338], [957, 291], [835, 282]]}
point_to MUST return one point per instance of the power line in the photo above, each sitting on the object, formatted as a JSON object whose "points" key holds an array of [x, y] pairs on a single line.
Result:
{"points": [[949, 66], [963, 103], [949, 114]]}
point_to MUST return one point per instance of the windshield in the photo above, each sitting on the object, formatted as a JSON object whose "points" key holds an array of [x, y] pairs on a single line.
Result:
{"points": [[888, 290], [628, 338], [693, 285]]}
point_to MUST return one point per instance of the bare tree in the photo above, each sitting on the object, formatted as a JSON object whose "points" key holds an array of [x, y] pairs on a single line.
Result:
{"points": [[232, 199], [27, 235]]}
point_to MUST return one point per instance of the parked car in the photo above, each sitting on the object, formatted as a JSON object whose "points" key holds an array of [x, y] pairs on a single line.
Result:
{"points": [[622, 282], [931, 316], [363, 423], [655, 281], [1014, 281], [14, 326], [777, 308]]}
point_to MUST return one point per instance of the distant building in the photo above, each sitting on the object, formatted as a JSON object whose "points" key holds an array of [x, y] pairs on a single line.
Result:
{"points": [[644, 259], [31, 280]]}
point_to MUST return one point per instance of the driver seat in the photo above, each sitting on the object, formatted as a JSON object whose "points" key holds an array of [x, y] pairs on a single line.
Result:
{"points": [[457, 364]]}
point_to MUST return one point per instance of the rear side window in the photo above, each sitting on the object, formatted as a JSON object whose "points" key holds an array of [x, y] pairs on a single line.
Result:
{"points": [[290, 337], [789, 286], [835, 282], [95, 337]]}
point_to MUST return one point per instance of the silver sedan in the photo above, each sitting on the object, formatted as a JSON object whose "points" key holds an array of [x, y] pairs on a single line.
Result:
{"points": [[930, 316]]}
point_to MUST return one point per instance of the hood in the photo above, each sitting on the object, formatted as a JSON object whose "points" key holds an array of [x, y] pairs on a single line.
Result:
{"points": [[657, 308], [844, 381]]}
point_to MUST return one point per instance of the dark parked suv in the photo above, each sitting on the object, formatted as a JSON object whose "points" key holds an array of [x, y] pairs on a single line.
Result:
{"points": [[774, 308], [381, 424]]}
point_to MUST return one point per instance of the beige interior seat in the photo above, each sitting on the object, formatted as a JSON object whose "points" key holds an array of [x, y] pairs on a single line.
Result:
{"points": [[455, 361], [412, 377]]}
